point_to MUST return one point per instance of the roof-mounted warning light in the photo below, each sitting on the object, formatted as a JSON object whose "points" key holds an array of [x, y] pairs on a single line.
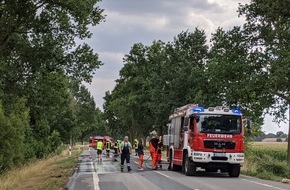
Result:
{"points": [[237, 111], [198, 109]]}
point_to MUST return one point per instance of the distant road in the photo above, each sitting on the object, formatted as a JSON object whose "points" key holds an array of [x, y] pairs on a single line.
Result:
{"points": [[91, 175]]}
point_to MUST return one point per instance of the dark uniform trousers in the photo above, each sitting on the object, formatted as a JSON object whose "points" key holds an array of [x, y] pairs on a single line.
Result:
{"points": [[125, 155]]}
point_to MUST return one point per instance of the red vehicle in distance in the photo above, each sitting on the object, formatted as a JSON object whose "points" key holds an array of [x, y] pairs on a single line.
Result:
{"points": [[94, 139]]}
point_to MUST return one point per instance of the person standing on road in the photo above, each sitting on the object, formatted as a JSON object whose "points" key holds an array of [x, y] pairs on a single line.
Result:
{"points": [[136, 146], [100, 147], [108, 148], [159, 152], [140, 151], [153, 145], [125, 151], [116, 146]]}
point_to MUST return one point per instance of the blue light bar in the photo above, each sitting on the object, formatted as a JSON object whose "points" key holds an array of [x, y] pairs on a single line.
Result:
{"points": [[237, 111], [198, 109]]}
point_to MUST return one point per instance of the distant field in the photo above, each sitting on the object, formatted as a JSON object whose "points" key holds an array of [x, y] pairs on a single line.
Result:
{"points": [[274, 145]]}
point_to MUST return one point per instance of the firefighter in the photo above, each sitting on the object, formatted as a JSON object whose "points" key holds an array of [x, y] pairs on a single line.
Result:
{"points": [[125, 150], [116, 146], [119, 144], [100, 147], [108, 148], [153, 145], [159, 152], [140, 152], [136, 146]]}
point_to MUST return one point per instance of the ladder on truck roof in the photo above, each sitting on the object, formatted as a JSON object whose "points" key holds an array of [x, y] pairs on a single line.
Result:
{"points": [[185, 107]]}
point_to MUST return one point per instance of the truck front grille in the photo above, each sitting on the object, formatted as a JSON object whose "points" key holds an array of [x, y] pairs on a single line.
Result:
{"points": [[219, 144]]}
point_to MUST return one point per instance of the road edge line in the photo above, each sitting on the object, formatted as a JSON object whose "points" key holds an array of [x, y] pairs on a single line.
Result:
{"points": [[263, 184]]}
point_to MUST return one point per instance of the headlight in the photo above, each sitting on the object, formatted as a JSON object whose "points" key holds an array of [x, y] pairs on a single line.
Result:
{"points": [[197, 154]]}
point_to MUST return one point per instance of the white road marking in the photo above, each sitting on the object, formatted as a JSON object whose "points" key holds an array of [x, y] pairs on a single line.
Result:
{"points": [[162, 174], [95, 178], [264, 184]]}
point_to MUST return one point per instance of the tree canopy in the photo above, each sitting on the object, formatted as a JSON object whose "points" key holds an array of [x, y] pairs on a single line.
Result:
{"points": [[42, 68], [246, 66]]}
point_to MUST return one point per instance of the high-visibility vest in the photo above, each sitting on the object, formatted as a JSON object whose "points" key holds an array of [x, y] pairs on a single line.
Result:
{"points": [[136, 143], [116, 145], [119, 143], [99, 145], [108, 145]]}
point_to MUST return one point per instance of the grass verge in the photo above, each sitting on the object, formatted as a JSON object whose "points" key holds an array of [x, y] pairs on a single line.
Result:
{"points": [[267, 161], [45, 174]]}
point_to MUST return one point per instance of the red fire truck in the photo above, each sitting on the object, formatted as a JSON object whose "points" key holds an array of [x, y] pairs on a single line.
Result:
{"points": [[94, 140], [210, 139]]}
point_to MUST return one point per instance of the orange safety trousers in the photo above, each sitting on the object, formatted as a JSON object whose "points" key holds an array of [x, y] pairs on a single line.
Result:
{"points": [[154, 159], [140, 161], [153, 155]]}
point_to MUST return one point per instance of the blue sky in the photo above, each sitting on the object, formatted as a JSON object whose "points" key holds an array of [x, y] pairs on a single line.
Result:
{"points": [[133, 21]]}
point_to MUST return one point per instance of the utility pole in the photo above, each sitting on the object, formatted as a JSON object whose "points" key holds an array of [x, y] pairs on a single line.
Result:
{"points": [[289, 136]]}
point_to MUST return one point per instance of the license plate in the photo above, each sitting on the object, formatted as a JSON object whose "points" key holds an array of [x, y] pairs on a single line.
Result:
{"points": [[219, 154]]}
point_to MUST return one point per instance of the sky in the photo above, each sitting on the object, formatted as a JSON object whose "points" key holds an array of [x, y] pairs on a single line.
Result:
{"points": [[142, 21]]}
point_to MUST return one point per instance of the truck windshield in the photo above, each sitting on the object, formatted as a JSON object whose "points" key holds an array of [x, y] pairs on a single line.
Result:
{"points": [[226, 124]]}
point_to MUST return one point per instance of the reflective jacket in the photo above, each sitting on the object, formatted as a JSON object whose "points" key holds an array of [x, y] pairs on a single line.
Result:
{"points": [[136, 144], [99, 145], [108, 145]]}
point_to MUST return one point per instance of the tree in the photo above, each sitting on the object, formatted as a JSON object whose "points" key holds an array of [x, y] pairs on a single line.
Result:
{"points": [[88, 117], [267, 27], [38, 59], [156, 79], [13, 128], [280, 134]]}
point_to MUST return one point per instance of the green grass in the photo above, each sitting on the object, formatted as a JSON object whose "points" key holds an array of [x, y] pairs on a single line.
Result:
{"points": [[45, 174], [267, 161]]}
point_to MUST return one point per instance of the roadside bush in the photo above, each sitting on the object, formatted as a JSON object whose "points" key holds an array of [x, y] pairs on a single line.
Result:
{"points": [[267, 162], [280, 169], [54, 140], [12, 134], [278, 154]]}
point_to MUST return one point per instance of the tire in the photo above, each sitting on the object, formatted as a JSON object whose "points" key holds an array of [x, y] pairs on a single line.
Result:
{"points": [[172, 166], [189, 167], [234, 170]]}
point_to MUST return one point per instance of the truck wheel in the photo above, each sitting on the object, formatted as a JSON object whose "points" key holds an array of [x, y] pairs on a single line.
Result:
{"points": [[172, 166], [234, 170], [189, 167]]}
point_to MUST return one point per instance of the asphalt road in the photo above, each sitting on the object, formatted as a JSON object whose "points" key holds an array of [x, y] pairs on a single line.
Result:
{"points": [[106, 175]]}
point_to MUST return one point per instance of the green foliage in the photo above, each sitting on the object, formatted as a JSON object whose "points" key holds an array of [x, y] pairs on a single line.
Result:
{"points": [[13, 127], [155, 80], [39, 60], [270, 163], [246, 66], [54, 140], [267, 29]]}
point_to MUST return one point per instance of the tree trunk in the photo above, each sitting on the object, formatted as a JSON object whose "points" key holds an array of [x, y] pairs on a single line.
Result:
{"points": [[289, 136]]}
